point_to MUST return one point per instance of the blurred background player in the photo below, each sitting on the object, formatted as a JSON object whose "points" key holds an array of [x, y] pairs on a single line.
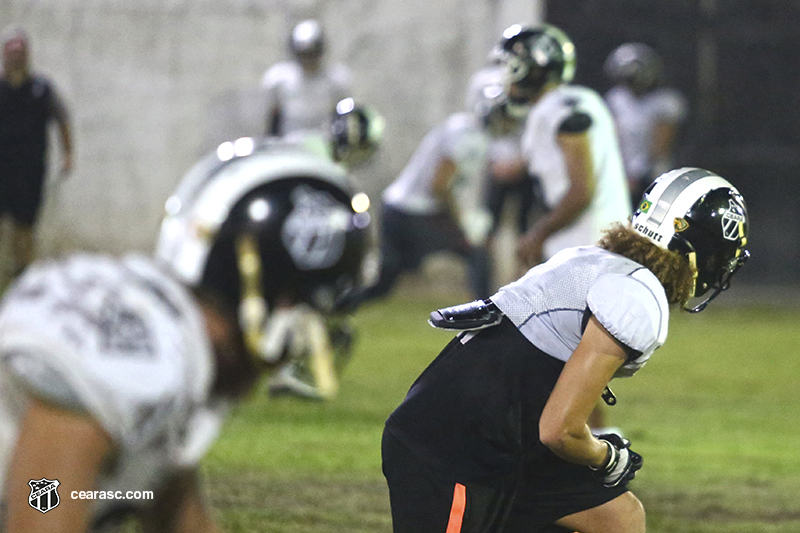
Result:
{"points": [[507, 172], [570, 144], [28, 104], [352, 135], [493, 435], [437, 204], [647, 114], [301, 93], [115, 374]]}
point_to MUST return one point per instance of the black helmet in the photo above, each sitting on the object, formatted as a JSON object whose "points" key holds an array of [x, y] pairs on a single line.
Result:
{"points": [[536, 56], [265, 225], [356, 132], [635, 65], [702, 217]]}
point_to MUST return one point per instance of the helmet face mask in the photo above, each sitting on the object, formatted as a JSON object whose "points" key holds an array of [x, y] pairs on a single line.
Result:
{"points": [[702, 217]]}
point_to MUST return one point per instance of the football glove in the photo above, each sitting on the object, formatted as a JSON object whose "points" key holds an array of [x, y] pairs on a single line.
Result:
{"points": [[621, 462]]}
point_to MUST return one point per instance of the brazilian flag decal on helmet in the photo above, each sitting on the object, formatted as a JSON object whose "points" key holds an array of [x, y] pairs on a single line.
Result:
{"points": [[644, 207]]}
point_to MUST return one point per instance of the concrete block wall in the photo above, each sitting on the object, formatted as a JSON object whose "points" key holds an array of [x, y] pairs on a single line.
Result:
{"points": [[153, 85]]}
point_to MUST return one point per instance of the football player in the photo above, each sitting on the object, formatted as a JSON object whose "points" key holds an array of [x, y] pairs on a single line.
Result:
{"points": [[437, 203], [116, 373], [301, 93], [569, 142], [646, 113], [493, 435], [352, 137], [508, 169]]}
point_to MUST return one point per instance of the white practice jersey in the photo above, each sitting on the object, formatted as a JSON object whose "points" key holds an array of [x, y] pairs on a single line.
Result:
{"points": [[551, 303], [636, 118], [611, 201], [121, 342], [460, 139], [306, 101]]}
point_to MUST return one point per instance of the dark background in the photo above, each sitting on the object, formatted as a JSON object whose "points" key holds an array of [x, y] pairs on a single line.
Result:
{"points": [[736, 61]]}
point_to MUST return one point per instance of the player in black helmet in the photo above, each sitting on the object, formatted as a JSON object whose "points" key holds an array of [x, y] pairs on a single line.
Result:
{"points": [[116, 373]]}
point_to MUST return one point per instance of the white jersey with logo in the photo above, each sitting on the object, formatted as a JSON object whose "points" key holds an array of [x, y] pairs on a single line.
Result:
{"points": [[121, 342], [552, 302], [460, 139], [306, 100], [611, 201], [636, 119]]}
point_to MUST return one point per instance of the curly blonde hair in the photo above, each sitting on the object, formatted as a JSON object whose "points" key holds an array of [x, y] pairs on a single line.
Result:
{"points": [[673, 271]]}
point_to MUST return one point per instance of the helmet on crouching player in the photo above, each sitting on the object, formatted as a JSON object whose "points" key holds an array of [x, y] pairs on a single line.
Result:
{"points": [[704, 218], [272, 231]]}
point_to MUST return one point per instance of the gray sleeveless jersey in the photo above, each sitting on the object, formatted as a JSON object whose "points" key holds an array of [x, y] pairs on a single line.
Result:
{"points": [[549, 303], [636, 118], [121, 342]]}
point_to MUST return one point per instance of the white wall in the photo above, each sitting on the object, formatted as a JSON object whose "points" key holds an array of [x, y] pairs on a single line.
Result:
{"points": [[152, 85]]}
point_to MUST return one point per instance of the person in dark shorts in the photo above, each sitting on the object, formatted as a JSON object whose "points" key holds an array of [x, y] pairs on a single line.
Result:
{"points": [[28, 103], [493, 435]]}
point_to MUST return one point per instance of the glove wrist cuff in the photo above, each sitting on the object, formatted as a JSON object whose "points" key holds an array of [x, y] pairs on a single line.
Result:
{"points": [[609, 457]]}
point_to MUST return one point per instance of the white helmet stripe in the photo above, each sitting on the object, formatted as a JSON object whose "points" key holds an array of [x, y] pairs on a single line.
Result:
{"points": [[674, 190]]}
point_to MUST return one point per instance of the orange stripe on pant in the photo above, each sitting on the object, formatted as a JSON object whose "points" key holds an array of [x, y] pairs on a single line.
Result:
{"points": [[457, 509]]}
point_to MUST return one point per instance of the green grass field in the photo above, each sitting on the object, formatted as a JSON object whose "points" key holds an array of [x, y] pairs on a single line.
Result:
{"points": [[715, 414]]}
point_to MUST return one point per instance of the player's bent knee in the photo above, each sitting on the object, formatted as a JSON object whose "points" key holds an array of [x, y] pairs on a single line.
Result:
{"points": [[623, 514], [634, 514]]}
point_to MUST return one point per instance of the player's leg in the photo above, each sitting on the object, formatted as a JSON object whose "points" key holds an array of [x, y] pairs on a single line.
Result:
{"points": [[27, 187], [623, 514], [424, 500], [23, 246], [421, 501], [479, 272]]}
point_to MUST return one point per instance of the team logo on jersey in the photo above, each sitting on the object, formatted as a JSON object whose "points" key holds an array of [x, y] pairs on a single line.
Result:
{"points": [[314, 233], [644, 207], [680, 224], [733, 221], [44, 496]]}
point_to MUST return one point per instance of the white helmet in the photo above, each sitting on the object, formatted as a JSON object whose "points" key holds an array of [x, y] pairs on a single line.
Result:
{"points": [[701, 216]]}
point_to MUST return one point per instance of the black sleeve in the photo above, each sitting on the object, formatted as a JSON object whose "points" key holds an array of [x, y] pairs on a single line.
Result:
{"points": [[576, 122]]}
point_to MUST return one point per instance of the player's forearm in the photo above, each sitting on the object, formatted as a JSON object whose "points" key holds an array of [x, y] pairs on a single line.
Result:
{"points": [[66, 138], [566, 212], [577, 446]]}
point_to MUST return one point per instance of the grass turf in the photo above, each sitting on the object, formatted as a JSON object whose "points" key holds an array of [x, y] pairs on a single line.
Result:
{"points": [[714, 414]]}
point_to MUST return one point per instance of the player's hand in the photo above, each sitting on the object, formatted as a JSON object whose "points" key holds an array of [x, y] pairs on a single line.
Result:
{"points": [[530, 249], [66, 166], [622, 462]]}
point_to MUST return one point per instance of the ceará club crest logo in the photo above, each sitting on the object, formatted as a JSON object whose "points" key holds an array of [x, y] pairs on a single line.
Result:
{"points": [[44, 494]]}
